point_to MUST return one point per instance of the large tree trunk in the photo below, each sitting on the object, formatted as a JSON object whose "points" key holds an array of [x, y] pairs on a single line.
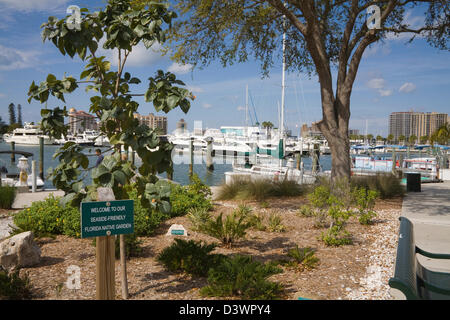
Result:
{"points": [[334, 127]]}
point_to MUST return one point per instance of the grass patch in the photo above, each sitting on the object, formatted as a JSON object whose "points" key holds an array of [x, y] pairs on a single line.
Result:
{"points": [[387, 185], [7, 196], [14, 287], [259, 190]]}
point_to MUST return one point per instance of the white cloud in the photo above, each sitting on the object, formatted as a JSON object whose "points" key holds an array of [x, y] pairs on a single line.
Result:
{"points": [[32, 5], [195, 89], [380, 85], [376, 83], [2, 95], [11, 59], [385, 92], [407, 87], [412, 22], [207, 105], [240, 108], [180, 68]]}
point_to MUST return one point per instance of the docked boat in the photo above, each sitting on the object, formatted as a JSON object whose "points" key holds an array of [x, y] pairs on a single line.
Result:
{"points": [[30, 134]]}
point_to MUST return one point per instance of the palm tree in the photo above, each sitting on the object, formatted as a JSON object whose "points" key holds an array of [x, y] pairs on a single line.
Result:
{"points": [[379, 138], [412, 139], [390, 138], [369, 138], [423, 139], [401, 138], [441, 135], [267, 125]]}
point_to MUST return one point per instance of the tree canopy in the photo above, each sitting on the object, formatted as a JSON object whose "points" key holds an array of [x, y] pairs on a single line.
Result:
{"points": [[320, 35], [122, 26]]}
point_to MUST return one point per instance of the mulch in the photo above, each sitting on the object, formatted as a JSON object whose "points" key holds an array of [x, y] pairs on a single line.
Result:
{"points": [[338, 271]]}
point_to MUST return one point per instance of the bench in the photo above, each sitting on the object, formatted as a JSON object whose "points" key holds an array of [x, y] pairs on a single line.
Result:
{"points": [[414, 280]]}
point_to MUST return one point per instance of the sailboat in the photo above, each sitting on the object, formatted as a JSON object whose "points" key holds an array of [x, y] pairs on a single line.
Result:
{"points": [[269, 170]]}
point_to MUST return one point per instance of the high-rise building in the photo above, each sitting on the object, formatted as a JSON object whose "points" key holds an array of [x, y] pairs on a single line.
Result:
{"points": [[418, 124], [80, 121], [153, 122]]}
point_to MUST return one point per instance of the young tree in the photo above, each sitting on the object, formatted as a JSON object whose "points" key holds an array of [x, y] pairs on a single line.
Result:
{"points": [[320, 34], [12, 114], [423, 139], [401, 138], [122, 26], [19, 115]]}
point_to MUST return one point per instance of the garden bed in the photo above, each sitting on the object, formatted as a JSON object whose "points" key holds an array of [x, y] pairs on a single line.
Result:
{"points": [[357, 271]]}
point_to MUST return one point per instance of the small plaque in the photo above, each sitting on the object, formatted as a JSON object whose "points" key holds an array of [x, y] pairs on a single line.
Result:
{"points": [[177, 230]]}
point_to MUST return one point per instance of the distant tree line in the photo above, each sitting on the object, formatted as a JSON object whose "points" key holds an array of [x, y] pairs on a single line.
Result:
{"points": [[14, 121]]}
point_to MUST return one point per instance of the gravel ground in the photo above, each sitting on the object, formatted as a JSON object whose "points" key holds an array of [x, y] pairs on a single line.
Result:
{"points": [[5, 221], [383, 250]]}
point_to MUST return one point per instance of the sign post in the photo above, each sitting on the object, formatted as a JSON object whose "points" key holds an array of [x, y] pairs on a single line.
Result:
{"points": [[103, 219]]}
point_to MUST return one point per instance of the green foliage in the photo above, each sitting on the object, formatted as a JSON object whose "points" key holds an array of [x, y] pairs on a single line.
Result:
{"points": [[242, 277], [198, 217], [304, 258], [120, 26], [194, 195], [48, 217], [264, 204], [305, 211], [275, 223], [189, 256], [146, 220], [230, 229], [336, 236], [258, 190], [13, 287], [257, 221], [7, 196], [387, 185], [132, 246], [365, 199]]}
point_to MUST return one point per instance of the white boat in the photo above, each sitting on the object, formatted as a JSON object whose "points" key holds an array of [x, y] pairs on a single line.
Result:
{"points": [[30, 134]]}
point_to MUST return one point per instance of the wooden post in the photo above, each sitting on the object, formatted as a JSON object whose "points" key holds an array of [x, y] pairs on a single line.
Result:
{"points": [[209, 162], [33, 174], [105, 259], [13, 156], [299, 159], [191, 151], [105, 271], [170, 172], [41, 158], [123, 267]]}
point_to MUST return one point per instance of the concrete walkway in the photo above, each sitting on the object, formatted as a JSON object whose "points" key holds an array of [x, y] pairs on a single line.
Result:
{"points": [[429, 211], [24, 200]]}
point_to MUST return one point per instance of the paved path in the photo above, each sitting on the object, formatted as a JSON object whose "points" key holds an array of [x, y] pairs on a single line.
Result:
{"points": [[24, 200], [429, 211]]}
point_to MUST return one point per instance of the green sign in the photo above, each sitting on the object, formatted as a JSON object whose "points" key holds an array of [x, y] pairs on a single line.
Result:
{"points": [[104, 218]]}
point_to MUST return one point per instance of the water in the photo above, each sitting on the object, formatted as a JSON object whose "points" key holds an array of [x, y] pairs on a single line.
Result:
{"points": [[181, 163]]}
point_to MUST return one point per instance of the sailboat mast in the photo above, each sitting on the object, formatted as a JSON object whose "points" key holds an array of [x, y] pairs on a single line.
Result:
{"points": [[246, 108], [283, 87]]}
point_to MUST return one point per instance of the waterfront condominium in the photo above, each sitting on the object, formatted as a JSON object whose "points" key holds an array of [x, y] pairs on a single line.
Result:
{"points": [[153, 122], [418, 124], [80, 121]]}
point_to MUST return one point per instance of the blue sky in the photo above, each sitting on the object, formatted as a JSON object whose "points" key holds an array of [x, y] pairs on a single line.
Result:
{"points": [[393, 76]]}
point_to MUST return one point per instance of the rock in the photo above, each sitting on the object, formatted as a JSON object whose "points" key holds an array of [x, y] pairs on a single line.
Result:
{"points": [[19, 251]]}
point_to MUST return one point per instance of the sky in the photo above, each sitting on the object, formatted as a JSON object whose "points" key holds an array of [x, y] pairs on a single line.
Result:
{"points": [[393, 76]]}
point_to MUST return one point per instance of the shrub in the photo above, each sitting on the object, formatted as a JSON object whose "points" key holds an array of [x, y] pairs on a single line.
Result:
{"points": [[336, 236], [198, 217], [388, 185], [132, 246], [264, 204], [365, 199], [48, 218], [257, 221], [242, 277], [146, 221], [259, 189], [305, 211], [231, 229], [194, 195], [189, 256], [13, 287], [275, 223], [7, 196], [304, 258]]}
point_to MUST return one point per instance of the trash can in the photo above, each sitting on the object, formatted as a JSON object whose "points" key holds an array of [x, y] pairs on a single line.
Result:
{"points": [[413, 182]]}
